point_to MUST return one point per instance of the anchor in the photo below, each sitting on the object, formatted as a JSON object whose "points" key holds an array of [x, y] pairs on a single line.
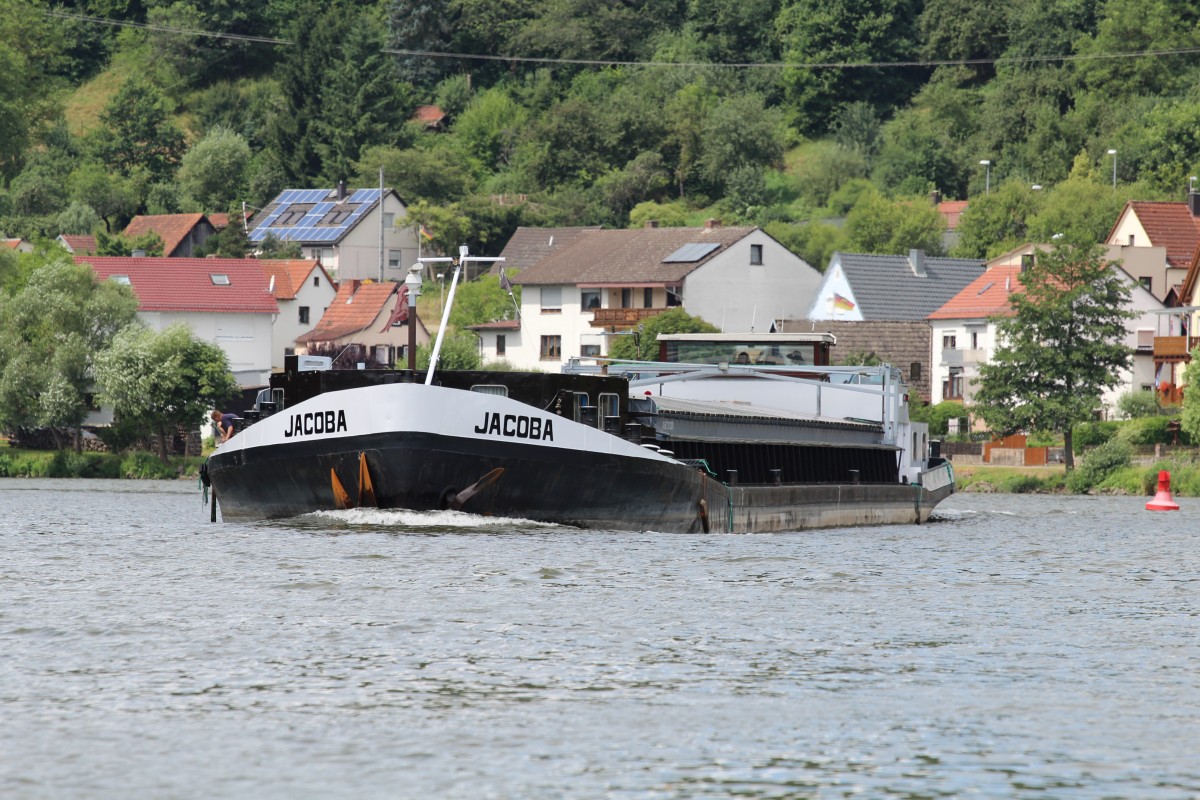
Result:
{"points": [[460, 499]]}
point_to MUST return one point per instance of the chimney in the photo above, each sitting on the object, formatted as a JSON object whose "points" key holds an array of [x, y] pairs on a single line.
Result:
{"points": [[916, 262], [709, 224], [341, 191], [651, 223], [1194, 202]]}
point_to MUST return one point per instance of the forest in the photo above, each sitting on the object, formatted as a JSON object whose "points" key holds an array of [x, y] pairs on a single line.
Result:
{"points": [[830, 123]]}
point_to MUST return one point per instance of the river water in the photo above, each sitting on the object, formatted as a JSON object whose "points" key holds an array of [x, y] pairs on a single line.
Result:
{"points": [[1018, 646]]}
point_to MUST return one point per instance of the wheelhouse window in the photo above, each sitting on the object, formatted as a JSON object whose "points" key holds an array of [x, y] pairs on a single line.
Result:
{"points": [[551, 348], [607, 406], [589, 350], [551, 299]]}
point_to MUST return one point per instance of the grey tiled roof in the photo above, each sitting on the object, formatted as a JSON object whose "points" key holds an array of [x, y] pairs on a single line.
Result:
{"points": [[632, 256], [887, 289]]}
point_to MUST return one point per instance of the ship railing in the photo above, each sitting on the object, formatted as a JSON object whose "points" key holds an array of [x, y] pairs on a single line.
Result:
{"points": [[938, 477]]}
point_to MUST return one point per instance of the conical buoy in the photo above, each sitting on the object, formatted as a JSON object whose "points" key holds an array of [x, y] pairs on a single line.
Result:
{"points": [[1162, 500]]}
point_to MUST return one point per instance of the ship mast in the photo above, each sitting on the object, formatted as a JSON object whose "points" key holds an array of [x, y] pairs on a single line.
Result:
{"points": [[463, 259]]}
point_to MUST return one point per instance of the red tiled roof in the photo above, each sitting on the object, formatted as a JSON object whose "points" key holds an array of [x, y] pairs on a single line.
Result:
{"points": [[12, 244], [986, 296], [951, 210], [80, 244], [355, 308], [185, 284], [429, 114], [290, 275], [171, 228], [1169, 225]]}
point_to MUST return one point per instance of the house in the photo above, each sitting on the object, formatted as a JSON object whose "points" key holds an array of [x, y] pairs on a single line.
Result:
{"points": [[346, 231], [603, 283], [903, 344], [432, 117], [182, 234], [1158, 242], [951, 211], [361, 325], [222, 300], [19, 245], [871, 288], [495, 339], [77, 244], [303, 290], [964, 329]]}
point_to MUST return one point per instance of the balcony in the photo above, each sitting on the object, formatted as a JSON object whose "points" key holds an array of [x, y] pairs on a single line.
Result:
{"points": [[1174, 348], [622, 317], [956, 358]]}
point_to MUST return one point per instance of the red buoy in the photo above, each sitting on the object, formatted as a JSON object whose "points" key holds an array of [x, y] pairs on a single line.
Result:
{"points": [[1162, 500]]}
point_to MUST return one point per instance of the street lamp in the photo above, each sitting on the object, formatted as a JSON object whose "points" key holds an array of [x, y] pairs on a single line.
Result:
{"points": [[1113, 153], [987, 184], [413, 284]]}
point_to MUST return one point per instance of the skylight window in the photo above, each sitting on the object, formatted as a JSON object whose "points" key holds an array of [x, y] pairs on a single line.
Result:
{"points": [[122, 279], [219, 279]]}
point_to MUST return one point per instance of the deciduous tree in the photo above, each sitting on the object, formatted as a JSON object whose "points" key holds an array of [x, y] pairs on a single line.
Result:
{"points": [[1062, 347]]}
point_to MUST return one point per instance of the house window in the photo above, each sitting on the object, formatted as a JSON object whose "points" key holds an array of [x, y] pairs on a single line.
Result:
{"points": [[316, 280], [551, 348], [756, 254], [589, 350], [551, 299], [1146, 284], [975, 337], [1131, 240], [674, 297], [589, 299], [501, 343], [389, 220], [949, 342], [394, 259], [647, 298], [627, 298], [952, 387], [914, 371], [303, 315]]}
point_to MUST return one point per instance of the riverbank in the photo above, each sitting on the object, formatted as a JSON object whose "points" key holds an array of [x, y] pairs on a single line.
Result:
{"points": [[19, 463], [1132, 480]]}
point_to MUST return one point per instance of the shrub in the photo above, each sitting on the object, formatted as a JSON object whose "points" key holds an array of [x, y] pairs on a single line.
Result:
{"points": [[1092, 434], [938, 416], [145, 465], [1099, 463], [1146, 430], [1138, 403]]}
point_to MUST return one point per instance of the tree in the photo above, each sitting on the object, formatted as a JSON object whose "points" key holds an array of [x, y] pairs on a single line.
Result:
{"points": [[879, 225], [138, 132], [998, 222], [1062, 347], [149, 243], [643, 343], [482, 301], [460, 350], [213, 172], [110, 196], [1189, 422], [50, 334], [167, 378]]}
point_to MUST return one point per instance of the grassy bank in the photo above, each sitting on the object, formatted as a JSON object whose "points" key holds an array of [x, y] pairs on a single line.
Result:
{"points": [[18, 463], [1132, 480]]}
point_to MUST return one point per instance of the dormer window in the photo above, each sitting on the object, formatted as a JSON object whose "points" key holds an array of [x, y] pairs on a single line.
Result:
{"points": [[219, 279]]}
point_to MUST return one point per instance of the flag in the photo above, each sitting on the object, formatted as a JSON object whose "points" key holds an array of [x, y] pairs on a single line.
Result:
{"points": [[425, 234], [400, 312], [841, 303], [505, 283]]}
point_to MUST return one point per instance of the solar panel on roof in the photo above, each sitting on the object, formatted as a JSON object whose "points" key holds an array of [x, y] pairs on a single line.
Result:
{"points": [[693, 251]]}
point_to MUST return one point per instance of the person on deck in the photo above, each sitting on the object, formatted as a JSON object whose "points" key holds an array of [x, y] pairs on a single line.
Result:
{"points": [[224, 423]]}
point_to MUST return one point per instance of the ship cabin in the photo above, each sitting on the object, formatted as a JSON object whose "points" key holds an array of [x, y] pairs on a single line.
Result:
{"points": [[765, 349]]}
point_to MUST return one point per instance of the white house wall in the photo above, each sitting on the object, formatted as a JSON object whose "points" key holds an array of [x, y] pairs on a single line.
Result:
{"points": [[245, 338], [356, 257], [739, 297], [287, 327], [829, 298], [571, 323]]}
